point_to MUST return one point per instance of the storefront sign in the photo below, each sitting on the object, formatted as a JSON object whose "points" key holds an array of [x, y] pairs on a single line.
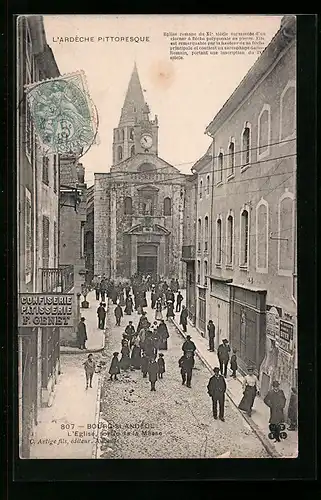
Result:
{"points": [[272, 323], [46, 310], [285, 338]]}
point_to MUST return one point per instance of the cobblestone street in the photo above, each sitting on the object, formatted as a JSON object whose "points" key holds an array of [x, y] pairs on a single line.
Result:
{"points": [[174, 421]]}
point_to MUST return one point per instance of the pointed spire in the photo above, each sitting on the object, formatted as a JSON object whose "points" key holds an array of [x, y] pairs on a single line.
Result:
{"points": [[134, 101]]}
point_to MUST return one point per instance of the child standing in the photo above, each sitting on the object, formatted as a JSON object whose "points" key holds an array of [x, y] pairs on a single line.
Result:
{"points": [[161, 365], [90, 366], [233, 364], [114, 369]]}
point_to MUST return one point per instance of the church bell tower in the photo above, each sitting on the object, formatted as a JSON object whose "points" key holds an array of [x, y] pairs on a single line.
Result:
{"points": [[136, 132]]}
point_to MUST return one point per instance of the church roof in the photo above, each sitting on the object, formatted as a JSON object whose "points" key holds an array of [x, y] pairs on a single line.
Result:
{"points": [[134, 103]]}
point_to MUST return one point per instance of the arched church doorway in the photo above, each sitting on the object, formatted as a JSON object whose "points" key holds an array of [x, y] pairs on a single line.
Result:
{"points": [[147, 259]]}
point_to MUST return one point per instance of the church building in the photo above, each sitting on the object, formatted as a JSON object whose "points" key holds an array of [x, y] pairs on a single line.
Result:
{"points": [[139, 204]]}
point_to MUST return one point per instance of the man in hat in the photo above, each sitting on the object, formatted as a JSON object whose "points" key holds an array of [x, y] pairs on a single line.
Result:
{"points": [[223, 354], [183, 319], [186, 365], [81, 334], [101, 313], [118, 314], [216, 388], [211, 335], [189, 346], [275, 400]]}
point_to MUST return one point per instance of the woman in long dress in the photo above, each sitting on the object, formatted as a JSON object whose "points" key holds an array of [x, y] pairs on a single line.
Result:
{"points": [[129, 305], [136, 355], [250, 389], [122, 298], [158, 312], [125, 356]]}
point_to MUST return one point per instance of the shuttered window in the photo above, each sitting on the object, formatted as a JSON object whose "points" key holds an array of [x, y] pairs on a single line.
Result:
{"points": [[45, 242]]}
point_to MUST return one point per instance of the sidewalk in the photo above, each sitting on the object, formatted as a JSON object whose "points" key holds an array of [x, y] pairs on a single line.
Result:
{"points": [[62, 430], [96, 337], [259, 422]]}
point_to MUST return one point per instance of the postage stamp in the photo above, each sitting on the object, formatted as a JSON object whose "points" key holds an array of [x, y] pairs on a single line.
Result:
{"points": [[63, 114]]}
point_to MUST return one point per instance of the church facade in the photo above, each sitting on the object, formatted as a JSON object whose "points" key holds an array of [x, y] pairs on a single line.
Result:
{"points": [[139, 204]]}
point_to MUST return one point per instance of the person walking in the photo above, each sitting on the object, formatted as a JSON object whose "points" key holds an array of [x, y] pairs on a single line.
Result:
{"points": [[114, 369], [275, 400], [186, 364], [179, 300], [97, 289], [82, 334], [211, 335], [183, 318], [101, 313], [136, 355], [250, 389], [162, 335], [223, 354], [90, 367], [152, 373], [125, 355], [233, 363], [293, 410], [118, 314], [161, 365], [189, 346], [153, 297], [102, 290], [158, 312], [130, 332], [216, 389], [144, 364], [170, 310], [129, 305]]}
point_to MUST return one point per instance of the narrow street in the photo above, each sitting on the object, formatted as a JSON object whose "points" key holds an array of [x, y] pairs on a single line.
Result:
{"points": [[174, 421]]}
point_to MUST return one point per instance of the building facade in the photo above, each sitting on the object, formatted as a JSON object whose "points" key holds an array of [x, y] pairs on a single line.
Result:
{"points": [[38, 229], [138, 205], [89, 235], [250, 291]]}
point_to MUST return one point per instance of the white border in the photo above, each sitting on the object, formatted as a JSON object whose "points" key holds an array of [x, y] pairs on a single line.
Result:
{"points": [[243, 165], [264, 269], [227, 264], [266, 152], [290, 84], [286, 194], [245, 267]]}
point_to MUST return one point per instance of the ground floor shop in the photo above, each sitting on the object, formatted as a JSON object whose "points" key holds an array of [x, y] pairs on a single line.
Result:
{"points": [[219, 308]]}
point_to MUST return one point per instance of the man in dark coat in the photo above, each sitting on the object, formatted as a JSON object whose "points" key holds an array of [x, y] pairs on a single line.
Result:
{"points": [[216, 388], [81, 334], [144, 364], [179, 300], [183, 318], [143, 322], [153, 298], [153, 373], [170, 296], [130, 331], [97, 289], [223, 354], [275, 400], [118, 314], [101, 313], [162, 334], [211, 335], [186, 365], [102, 290], [189, 346]]}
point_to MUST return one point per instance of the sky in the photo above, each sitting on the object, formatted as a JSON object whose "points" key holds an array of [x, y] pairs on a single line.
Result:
{"points": [[184, 94]]}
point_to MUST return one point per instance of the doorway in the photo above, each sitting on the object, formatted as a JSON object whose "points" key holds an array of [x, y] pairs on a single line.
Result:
{"points": [[147, 265]]}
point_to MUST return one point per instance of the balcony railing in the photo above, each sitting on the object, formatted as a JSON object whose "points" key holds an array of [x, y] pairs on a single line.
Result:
{"points": [[60, 279], [188, 252]]}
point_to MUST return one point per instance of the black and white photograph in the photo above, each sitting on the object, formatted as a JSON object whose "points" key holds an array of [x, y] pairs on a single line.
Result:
{"points": [[157, 236]]}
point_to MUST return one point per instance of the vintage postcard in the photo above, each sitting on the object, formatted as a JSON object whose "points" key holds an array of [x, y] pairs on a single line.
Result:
{"points": [[157, 269]]}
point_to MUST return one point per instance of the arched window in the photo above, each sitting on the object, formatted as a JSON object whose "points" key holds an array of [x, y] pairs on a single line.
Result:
{"points": [[206, 234], [208, 184], [198, 271], [167, 206], [132, 151], [219, 241], [262, 232], [199, 234], [246, 140], [231, 158], [122, 134], [230, 241], [287, 112], [285, 233], [128, 206], [120, 153], [244, 257], [264, 131], [220, 167], [201, 189], [131, 134]]}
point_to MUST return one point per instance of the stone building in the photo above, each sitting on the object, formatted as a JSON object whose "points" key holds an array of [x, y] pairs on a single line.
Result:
{"points": [[38, 229], [89, 235], [138, 205], [251, 281]]}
